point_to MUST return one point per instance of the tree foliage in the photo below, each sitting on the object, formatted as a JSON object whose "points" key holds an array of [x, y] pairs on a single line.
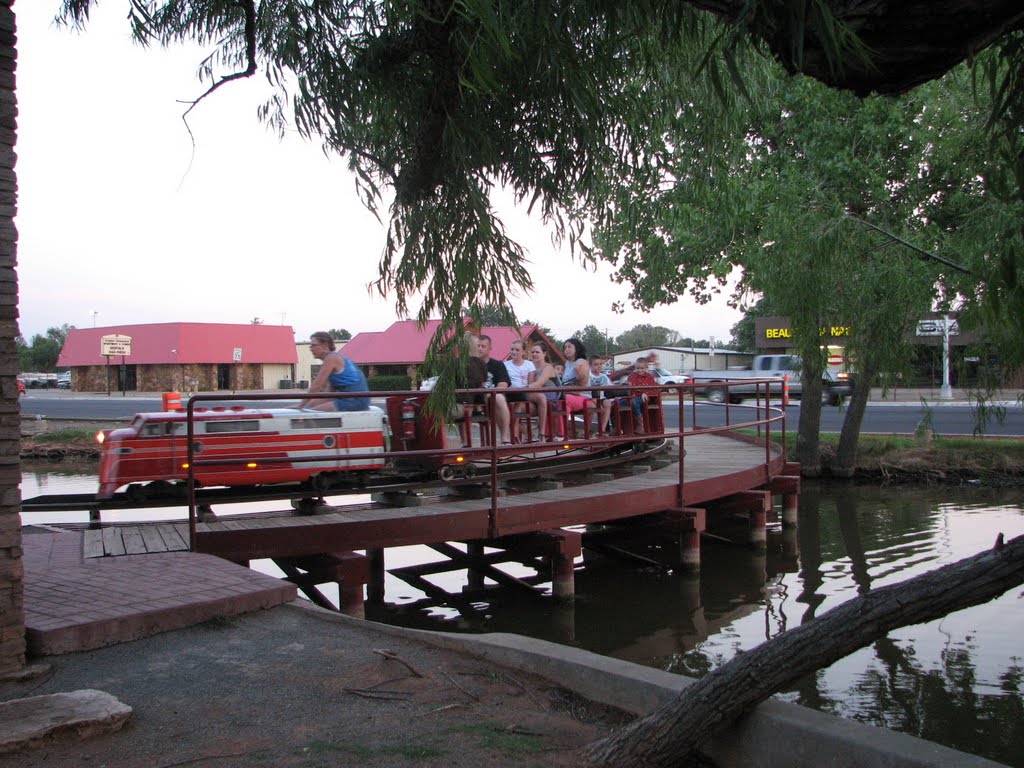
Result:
{"points": [[570, 105], [647, 335], [41, 353]]}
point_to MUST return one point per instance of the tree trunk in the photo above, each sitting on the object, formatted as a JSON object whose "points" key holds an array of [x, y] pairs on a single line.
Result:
{"points": [[672, 734], [12, 609], [846, 453], [808, 452]]}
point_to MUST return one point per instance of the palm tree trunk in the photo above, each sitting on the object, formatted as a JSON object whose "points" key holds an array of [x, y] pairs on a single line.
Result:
{"points": [[12, 608]]}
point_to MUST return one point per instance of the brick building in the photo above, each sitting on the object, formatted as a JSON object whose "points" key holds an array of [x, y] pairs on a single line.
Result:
{"points": [[185, 357]]}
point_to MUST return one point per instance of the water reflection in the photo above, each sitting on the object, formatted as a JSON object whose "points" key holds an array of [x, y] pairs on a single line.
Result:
{"points": [[957, 681]]}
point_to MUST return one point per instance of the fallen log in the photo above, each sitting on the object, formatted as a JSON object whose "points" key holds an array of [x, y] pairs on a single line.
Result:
{"points": [[672, 734]]}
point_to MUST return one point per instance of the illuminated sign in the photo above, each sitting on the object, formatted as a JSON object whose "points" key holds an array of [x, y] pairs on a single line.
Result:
{"points": [[832, 331]]}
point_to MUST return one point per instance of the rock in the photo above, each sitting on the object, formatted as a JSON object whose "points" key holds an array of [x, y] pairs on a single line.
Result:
{"points": [[86, 713]]}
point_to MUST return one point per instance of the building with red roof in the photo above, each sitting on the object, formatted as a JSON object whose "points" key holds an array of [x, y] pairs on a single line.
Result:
{"points": [[182, 357], [402, 348]]}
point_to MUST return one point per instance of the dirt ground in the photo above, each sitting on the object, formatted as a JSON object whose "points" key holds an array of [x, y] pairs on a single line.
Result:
{"points": [[286, 687]]}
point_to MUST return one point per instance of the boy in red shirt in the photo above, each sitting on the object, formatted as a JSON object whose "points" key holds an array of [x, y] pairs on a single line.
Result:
{"points": [[639, 378]]}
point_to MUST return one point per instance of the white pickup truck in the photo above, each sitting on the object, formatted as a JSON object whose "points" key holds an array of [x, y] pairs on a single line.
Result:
{"points": [[835, 386]]}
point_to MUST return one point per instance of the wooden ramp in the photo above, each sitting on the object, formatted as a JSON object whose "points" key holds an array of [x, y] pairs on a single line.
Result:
{"points": [[138, 539]]}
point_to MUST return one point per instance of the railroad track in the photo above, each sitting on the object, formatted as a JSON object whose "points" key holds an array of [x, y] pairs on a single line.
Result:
{"points": [[508, 469]]}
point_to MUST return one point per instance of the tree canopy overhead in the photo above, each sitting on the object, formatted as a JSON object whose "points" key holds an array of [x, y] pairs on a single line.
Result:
{"points": [[438, 101]]}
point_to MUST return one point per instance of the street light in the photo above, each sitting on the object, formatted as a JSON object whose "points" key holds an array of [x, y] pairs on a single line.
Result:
{"points": [[94, 312]]}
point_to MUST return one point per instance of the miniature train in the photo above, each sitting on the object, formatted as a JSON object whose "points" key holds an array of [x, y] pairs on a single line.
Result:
{"points": [[325, 449]]}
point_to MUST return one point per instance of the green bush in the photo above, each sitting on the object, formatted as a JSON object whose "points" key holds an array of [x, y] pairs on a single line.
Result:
{"points": [[389, 383]]}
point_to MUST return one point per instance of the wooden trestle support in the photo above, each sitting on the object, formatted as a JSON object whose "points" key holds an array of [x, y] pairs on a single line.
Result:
{"points": [[550, 553]]}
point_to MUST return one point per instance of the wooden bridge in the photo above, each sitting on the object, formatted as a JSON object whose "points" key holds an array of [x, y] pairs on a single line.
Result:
{"points": [[721, 472]]}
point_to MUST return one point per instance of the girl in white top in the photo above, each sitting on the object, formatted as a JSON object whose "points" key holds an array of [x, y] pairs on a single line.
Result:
{"points": [[518, 367]]}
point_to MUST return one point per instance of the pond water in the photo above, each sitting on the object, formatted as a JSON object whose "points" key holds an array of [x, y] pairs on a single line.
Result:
{"points": [[958, 681]]}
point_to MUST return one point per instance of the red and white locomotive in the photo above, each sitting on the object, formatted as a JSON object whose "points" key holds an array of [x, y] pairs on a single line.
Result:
{"points": [[257, 447]]}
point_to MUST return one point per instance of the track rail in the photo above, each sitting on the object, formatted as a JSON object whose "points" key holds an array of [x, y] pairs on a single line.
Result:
{"points": [[510, 469]]}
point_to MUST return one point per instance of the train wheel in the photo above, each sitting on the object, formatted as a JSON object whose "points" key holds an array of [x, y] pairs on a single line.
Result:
{"points": [[159, 489], [716, 394], [136, 492], [447, 474]]}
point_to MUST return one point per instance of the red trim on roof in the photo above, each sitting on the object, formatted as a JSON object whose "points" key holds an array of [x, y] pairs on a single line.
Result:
{"points": [[184, 343]]}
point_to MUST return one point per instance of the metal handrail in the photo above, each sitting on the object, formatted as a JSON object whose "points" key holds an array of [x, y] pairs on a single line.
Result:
{"points": [[683, 390]]}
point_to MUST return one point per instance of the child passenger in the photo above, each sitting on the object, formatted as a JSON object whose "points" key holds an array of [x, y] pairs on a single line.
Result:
{"points": [[598, 378], [639, 378]]}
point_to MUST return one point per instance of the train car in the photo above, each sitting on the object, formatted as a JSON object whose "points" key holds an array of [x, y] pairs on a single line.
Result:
{"points": [[444, 446], [257, 447]]}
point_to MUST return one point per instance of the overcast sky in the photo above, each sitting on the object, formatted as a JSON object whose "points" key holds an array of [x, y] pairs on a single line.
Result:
{"points": [[120, 216]]}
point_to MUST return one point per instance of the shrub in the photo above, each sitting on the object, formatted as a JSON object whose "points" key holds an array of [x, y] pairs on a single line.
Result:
{"points": [[389, 383]]}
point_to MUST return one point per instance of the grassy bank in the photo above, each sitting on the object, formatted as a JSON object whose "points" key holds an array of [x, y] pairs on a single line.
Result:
{"points": [[52, 440], [894, 458]]}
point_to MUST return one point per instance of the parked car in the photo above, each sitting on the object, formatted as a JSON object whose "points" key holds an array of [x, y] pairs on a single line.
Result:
{"points": [[665, 377], [428, 384], [64, 380]]}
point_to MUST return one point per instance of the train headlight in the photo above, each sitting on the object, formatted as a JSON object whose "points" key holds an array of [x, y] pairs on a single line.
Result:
{"points": [[251, 465], [460, 459], [101, 436]]}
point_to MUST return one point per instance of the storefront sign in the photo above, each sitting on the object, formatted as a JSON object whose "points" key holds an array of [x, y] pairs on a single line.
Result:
{"points": [[115, 344], [936, 327]]}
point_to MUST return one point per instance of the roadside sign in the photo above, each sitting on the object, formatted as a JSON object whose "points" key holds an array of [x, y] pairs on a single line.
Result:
{"points": [[835, 359], [115, 344], [937, 326], [237, 355]]}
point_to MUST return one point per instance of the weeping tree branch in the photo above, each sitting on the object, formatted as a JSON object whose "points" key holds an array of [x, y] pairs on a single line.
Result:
{"points": [[672, 734], [249, 6]]}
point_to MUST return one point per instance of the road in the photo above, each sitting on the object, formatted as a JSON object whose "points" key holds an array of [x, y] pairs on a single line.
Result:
{"points": [[881, 417]]}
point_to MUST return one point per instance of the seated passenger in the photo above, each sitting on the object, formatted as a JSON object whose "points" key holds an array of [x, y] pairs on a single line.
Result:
{"points": [[598, 378], [497, 378], [639, 378], [544, 377], [336, 374], [475, 374], [519, 370], [577, 374]]}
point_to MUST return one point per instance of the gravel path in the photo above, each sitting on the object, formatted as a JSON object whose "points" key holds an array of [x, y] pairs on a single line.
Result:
{"points": [[287, 688]]}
